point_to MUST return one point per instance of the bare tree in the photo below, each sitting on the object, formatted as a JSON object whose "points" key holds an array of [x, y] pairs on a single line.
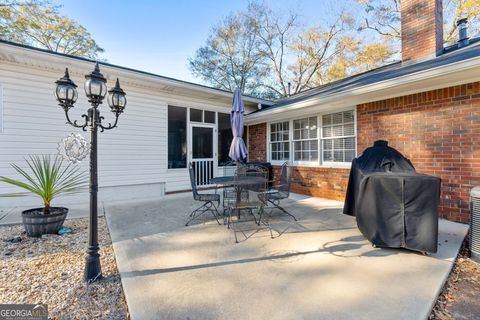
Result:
{"points": [[38, 23], [383, 17], [272, 55], [230, 57]]}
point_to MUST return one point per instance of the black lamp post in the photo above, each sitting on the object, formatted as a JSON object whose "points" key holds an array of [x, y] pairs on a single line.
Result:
{"points": [[95, 89]]}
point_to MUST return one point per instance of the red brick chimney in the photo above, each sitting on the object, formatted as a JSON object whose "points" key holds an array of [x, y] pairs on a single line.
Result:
{"points": [[422, 29]]}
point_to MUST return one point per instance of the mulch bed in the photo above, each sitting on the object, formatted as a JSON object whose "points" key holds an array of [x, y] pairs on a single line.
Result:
{"points": [[459, 298], [49, 270]]}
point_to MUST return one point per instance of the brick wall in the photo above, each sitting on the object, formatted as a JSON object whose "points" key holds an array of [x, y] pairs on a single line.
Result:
{"points": [[257, 142], [322, 182], [422, 28], [439, 131], [329, 183]]}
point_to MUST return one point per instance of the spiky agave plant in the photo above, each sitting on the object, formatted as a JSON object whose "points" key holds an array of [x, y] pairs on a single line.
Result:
{"points": [[48, 178]]}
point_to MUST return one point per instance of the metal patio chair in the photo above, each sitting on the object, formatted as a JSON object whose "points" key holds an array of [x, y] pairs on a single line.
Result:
{"points": [[228, 190], [249, 184], [281, 190], [207, 199]]}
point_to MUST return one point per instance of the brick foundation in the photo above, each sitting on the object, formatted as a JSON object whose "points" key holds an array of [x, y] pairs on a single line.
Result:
{"points": [[318, 181], [439, 131]]}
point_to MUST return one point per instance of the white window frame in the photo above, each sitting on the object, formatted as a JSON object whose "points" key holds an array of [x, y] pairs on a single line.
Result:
{"points": [[337, 163], [292, 157], [269, 142], [320, 162]]}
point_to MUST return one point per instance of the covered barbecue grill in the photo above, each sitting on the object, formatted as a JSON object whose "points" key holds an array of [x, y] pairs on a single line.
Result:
{"points": [[394, 205]]}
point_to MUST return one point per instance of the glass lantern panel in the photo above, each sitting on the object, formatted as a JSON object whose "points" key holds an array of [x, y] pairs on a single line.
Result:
{"points": [[87, 87], [123, 101], [75, 95], [70, 94], [61, 92], [103, 89], [93, 87]]}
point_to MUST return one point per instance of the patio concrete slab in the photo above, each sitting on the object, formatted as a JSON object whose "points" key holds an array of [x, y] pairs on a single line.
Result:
{"points": [[320, 267]]}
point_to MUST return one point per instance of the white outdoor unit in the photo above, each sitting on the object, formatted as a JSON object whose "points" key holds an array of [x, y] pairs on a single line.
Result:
{"points": [[475, 224]]}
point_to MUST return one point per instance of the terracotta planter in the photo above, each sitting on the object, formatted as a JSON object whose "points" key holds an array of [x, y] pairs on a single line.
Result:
{"points": [[36, 223]]}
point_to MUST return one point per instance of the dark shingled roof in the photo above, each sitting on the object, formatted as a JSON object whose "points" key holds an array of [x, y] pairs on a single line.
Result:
{"points": [[450, 55]]}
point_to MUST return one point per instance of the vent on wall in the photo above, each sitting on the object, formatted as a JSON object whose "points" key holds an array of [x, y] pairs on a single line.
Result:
{"points": [[475, 223]]}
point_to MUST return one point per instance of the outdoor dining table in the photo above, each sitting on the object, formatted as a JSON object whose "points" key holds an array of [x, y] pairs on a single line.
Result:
{"points": [[239, 180]]}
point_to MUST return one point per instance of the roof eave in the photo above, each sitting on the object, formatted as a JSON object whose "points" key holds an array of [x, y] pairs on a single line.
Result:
{"points": [[45, 56], [465, 71]]}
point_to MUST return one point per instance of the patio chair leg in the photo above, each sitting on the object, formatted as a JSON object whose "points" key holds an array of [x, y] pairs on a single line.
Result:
{"points": [[266, 224], [230, 222], [216, 214], [283, 210], [253, 215], [207, 206], [229, 218]]}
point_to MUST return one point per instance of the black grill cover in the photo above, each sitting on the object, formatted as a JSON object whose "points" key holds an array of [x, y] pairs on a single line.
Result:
{"points": [[394, 206], [379, 158]]}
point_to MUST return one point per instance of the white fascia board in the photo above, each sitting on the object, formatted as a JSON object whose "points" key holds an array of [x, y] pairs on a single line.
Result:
{"points": [[462, 72]]}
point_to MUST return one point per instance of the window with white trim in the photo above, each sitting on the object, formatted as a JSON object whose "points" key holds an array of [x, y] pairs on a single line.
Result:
{"points": [[305, 140], [279, 141], [338, 137]]}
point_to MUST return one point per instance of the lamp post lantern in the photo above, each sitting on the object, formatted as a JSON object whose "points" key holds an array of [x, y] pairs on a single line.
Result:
{"points": [[96, 90]]}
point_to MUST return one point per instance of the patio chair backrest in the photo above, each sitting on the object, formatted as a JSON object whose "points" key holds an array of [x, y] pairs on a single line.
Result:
{"points": [[240, 169], [191, 171], [259, 182], [229, 168], [259, 176], [285, 179]]}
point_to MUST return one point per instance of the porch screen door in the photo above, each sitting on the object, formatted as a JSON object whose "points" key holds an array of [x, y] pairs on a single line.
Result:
{"points": [[202, 152]]}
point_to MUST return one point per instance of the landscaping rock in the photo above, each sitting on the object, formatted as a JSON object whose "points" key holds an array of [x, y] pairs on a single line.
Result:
{"points": [[15, 239], [50, 270]]}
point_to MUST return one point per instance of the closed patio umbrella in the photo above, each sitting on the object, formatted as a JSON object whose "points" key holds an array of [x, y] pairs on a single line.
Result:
{"points": [[238, 149]]}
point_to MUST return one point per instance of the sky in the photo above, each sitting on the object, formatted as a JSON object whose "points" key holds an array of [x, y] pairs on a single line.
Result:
{"points": [[160, 36]]}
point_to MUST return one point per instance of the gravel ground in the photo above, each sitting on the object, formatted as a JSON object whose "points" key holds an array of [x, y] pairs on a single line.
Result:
{"points": [[459, 298], [50, 270]]}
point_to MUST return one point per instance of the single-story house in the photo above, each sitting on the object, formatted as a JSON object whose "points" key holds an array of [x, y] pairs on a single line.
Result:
{"points": [[427, 106]]}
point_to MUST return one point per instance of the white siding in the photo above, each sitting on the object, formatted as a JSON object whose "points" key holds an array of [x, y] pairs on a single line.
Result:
{"points": [[135, 153], [1, 108]]}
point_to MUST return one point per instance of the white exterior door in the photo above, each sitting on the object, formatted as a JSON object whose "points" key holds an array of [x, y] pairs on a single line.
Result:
{"points": [[203, 152]]}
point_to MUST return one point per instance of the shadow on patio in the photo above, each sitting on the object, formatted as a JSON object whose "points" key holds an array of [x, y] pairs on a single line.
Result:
{"points": [[318, 267]]}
